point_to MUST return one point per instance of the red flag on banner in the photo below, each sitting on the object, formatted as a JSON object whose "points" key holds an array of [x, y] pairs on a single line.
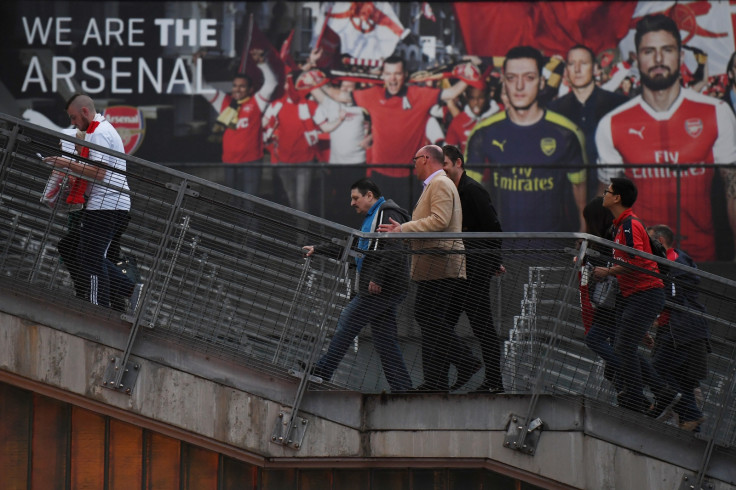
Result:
{"points": [[367, 30], [491, 29], [329, 41], [255, 39], [427, 12], [285, 54]]}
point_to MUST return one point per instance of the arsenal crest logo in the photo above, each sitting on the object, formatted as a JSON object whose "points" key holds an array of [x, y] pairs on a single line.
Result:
{"points": [[694, 127], [129, 123], [548, 146]]}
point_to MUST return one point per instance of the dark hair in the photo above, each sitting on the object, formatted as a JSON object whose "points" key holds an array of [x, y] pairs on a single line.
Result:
{"points": [[626, 189], [665, 232], [653, 23], [598, 220], [364, 185], [453, 153], [518, 52], [393, 59], [584, 48], [245, 77], [729, 66]]}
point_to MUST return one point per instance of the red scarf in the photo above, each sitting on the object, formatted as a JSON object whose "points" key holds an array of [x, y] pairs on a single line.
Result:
{"points": [[79, 187]]}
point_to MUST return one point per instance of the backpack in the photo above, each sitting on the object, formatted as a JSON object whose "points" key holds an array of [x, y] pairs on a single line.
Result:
{"points": [[656, 247]]}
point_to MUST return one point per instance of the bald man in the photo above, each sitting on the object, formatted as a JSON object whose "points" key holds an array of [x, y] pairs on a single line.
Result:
{"points": [[436, 274], [104, 193]]}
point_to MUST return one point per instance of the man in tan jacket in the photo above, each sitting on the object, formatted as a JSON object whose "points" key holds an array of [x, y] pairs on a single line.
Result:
{"points": [[437, 270]]}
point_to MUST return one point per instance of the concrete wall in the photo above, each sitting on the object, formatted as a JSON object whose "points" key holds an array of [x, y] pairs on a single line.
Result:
{"points": [[233, 409]]}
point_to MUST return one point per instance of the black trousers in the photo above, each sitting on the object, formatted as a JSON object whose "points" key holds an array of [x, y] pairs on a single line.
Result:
{"points": [[473, 297], [436, 319]]}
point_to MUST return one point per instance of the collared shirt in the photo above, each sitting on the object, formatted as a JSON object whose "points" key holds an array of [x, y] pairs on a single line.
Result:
{"points": [[429, 179]]}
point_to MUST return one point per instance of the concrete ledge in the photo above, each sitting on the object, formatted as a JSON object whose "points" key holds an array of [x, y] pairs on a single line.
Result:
{"points": [[227, 407]]}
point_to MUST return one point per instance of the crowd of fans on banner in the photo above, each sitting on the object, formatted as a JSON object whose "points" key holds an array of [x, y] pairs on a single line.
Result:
{"points": [[350, 114]]}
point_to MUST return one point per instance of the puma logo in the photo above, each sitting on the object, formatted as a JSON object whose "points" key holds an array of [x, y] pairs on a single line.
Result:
{"points": [[500, 145], [639, 133]]}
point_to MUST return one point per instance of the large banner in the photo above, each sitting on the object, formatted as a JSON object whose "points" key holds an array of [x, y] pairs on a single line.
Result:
{"points": [[314, 88]]}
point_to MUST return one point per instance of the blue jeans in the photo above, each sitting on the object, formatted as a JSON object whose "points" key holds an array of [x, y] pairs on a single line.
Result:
{"points": [[380, 311], [245, 177], [637, 315], [600, 339]]}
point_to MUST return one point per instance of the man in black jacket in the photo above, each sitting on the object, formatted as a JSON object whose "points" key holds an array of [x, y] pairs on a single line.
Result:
{"points": [[683, 337], [383, 280], [483, 262]]}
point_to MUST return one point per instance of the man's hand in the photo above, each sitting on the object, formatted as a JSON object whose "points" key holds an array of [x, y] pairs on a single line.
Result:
{"points": [[366, 142], [258, 55], [314, 56], [501, 270], [200, 54], [600, 272], [374, 288], [472, 58], [392, 227], [308, 250], [51, 161]]}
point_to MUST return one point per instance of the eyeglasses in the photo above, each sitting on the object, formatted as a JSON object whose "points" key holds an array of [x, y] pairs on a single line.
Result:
{"points": [[418, 157], [606, 191]]}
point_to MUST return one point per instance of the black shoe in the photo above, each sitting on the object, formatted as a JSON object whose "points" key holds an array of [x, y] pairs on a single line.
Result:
{"points": [[488, 387], [636, 403], [464, 373], [428, 388], [665, 401]]}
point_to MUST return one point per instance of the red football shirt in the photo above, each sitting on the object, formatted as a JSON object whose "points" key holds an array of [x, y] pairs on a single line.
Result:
{"points": [[296, 132], [245, 142], [696, 129], [398, 123], [633, 281]]}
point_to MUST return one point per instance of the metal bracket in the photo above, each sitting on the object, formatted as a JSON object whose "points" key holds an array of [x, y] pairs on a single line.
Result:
{"points": [[296, 437], [523, 437], [690, 482], [127, 381], [300, 374], [188, 191]]}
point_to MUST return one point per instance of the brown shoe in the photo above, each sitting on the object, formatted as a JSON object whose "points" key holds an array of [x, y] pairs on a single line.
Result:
{"points": [[692, 425]]}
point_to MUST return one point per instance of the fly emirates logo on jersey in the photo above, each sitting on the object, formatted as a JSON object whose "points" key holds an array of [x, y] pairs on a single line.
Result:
{"points": [[521, 179], [664, 157]]}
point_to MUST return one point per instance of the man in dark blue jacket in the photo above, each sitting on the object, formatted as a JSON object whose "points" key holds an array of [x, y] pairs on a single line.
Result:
{"points": [[383, 280], [682, 345]]}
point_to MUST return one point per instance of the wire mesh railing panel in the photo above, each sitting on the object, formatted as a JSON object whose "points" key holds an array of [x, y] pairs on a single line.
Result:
{"points": [[226, 273], [221, 271]]}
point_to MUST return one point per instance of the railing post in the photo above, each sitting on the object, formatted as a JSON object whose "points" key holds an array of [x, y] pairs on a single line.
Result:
{"points": [[119, 368], [521, 428], [9, 150], [290, 429], [726, 401], [678, 204]]}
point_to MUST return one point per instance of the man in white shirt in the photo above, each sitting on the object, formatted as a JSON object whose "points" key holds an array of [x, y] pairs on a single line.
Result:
{"points": [[107, 201]]}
